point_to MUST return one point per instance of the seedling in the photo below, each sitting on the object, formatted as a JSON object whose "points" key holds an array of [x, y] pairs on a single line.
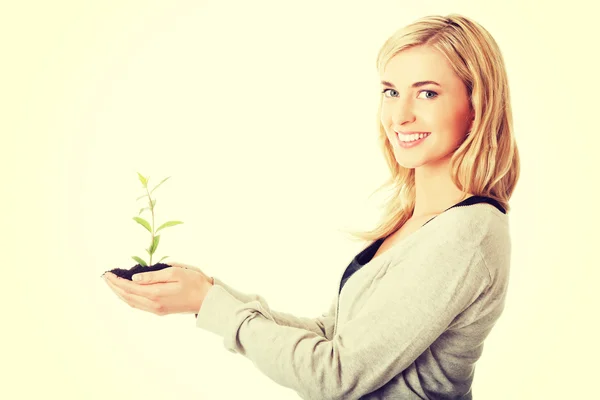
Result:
{"points": [[155, 239], [142, 266]]}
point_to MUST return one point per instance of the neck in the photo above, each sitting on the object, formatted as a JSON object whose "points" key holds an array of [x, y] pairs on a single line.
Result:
{"points": [[434, 190]]}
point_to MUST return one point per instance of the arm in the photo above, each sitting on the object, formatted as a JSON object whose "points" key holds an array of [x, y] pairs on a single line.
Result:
{"points": [[410, 308], [322, 325]]}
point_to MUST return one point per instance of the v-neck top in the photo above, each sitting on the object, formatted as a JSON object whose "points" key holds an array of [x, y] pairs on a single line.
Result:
{"points": [[365, 256]]}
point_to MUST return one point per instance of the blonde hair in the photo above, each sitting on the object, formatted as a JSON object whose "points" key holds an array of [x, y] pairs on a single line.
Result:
{"points": [[487, 162]]}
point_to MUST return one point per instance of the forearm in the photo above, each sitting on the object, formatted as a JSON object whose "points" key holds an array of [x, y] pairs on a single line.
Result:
{"points": [[322, 325]]}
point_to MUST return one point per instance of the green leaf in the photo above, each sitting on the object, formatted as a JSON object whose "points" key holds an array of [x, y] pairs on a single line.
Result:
{"points": [[154, 244], [140, 261], [148, 251], [153, 203], [159, 184], [143, 180], [144, 195], [145, 208], [162, 258], [143, 222], [167, 224]]}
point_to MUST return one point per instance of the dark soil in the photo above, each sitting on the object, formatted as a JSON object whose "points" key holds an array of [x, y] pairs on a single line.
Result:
{"points": [[128, 273]]}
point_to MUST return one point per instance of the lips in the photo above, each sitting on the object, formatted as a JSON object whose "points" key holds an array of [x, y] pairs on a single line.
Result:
{"points": [[412, 136], [409, 133], [412, 141]]}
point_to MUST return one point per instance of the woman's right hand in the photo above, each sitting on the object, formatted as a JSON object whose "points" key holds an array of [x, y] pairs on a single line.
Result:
{"points": [[187, 266]]}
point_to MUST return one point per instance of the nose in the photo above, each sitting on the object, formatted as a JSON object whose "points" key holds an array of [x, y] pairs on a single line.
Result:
{"points": [[403, 112]]}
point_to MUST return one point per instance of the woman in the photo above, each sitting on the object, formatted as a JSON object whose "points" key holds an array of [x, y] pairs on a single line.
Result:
{"points": [[414, 307]]}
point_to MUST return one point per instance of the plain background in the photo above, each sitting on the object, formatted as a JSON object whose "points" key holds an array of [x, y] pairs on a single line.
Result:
{"points": [[263, 114]]}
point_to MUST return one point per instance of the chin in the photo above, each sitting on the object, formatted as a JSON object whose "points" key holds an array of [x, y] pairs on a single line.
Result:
{"points": [[410, 162], [415, 160]]}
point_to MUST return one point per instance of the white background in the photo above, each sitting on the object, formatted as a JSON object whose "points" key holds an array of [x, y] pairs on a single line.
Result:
{"points": [[263, 114]]}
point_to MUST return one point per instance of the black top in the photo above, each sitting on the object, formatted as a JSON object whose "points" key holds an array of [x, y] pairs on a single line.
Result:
{"points": [[367, 254]]}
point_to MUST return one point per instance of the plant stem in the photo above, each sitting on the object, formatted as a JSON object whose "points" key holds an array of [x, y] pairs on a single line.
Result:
{"points": [[152, 211]]}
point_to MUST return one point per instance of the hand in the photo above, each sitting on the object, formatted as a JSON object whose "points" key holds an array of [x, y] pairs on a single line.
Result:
{"points": [[177, 289], [187, 266]]}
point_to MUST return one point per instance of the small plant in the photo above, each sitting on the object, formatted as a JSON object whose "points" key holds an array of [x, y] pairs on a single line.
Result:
{"points": [[155, 239], [142, 266]]}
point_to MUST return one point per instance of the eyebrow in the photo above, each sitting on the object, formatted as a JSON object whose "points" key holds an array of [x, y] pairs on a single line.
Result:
{"points": [[414, 85]]}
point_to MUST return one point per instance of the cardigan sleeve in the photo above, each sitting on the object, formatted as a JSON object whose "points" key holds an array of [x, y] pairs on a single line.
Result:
{"points": [[322, 325], [407, 311]]}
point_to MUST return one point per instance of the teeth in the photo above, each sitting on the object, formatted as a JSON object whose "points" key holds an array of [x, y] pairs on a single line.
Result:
{"points": [[412, 138]]}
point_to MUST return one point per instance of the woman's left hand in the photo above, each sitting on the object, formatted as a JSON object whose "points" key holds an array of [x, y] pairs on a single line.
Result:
{"points": [[172, 290]]}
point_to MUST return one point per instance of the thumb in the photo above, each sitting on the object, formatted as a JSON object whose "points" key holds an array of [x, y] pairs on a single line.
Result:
{"points": [[193, 268], [184, 266], [163, 275]]}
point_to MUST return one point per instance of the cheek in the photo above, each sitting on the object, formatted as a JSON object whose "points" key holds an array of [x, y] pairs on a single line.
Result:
{"points": [[454, 122], [386, 122], [384, 118]]}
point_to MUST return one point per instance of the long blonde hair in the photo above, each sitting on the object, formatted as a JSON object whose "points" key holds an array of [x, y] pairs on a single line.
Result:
{"points": [[487, 162]]}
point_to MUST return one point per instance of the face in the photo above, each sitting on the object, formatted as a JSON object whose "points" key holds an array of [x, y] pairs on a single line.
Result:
{"points": [[440, 110]]}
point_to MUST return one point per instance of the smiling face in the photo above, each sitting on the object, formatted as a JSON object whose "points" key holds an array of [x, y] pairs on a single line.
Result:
{"points": [[423, 94]]}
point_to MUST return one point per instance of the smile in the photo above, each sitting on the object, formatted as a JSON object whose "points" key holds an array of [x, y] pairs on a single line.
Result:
{"points": [[412, 140]]}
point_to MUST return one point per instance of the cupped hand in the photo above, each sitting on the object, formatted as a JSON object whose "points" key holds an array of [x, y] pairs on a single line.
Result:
{"points": [[177, 289]]}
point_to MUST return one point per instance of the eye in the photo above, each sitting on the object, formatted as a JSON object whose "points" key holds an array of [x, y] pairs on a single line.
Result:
{"points": [[429, 91], [385, 91]]}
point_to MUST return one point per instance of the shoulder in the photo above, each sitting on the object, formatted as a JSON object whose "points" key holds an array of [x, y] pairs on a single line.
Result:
{"points": [[483, 229], [474, 222]]}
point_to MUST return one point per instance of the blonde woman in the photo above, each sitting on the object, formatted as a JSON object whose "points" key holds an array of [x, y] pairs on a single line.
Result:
{"points": [[412, 310]]}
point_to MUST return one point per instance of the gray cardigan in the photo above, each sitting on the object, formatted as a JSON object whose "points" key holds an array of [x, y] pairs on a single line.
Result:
{"points": [[409, 324]]}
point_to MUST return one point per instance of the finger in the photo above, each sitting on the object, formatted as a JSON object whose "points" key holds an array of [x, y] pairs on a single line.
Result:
{"points": [[114, 289], [149, 292], [134, 300], [163, 275], [187, 266], [184, 266], [191, 267]]}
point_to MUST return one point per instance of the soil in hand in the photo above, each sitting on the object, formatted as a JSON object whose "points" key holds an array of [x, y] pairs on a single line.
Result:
{"points": [[128, 273]]}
